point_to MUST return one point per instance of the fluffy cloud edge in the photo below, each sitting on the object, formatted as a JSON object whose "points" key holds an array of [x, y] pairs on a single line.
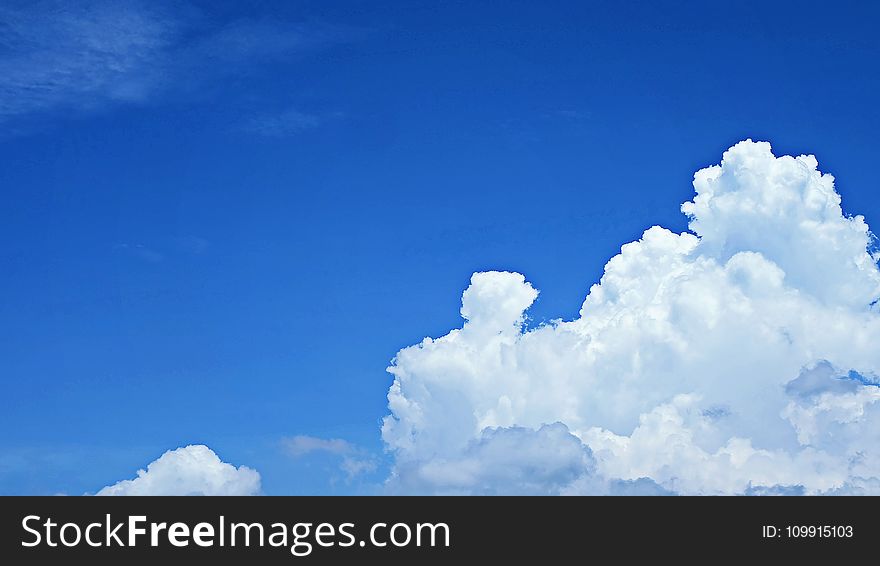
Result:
{"points": [[190, 470], [736, 358]]}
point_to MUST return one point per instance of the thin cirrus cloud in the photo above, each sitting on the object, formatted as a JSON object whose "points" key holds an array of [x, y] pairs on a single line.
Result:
{"points": [[739, 358], [288, 122], [86, 56], [141, 252], [188, 245], [353, 460], [282, 124], [191, 470]]}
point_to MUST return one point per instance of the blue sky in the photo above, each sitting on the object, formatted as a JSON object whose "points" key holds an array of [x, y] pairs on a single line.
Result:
{"points": [[222, 220]]}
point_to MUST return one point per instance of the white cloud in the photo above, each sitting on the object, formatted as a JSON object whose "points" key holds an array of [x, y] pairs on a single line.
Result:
{"points": [[740, 358], [301, 445], [510, 460], [353, 460], [287, 123], [86, 55], [191, 470], [79, 56]]}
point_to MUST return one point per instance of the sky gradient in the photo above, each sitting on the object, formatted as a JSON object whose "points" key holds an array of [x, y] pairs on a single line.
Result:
{"points": [[222, 223]]}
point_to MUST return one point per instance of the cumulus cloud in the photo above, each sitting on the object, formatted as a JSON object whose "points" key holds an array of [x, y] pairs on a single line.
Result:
{"points": [[191, 470], [510, 460], [353, 460], [738, 357]]}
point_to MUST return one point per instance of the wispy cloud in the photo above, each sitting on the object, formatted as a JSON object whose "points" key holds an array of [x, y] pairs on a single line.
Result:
{"points": [[169, 248], [247, 40], [571, 114], [58, 55], [140, 251], [193, 244], [353, 459], [87, 55], [286, 123]]}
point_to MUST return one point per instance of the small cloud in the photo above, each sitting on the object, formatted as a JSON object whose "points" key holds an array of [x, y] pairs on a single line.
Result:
{"points": [[301, 445], [354, 460], [140, 251], [354, 467], [571, 114], [287, 123], [193, 244], [191, 470]]}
